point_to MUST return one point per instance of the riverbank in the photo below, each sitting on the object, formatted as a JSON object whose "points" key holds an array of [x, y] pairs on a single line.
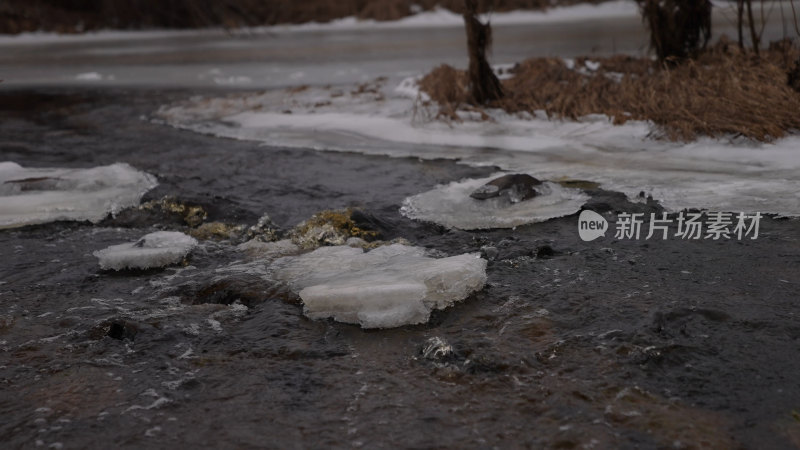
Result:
{"points": [[725, 93]]}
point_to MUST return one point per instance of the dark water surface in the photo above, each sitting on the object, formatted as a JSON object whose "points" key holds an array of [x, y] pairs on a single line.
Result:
{"points": [[606, 344]]}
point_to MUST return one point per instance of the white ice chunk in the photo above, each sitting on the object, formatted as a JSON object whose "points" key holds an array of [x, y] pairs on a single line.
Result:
{"points": [[157, 249], [450, 205], [386, 287], [39, 195]]}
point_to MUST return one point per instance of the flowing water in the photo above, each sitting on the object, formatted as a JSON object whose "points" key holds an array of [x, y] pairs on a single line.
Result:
{"points": [[571, 344]]}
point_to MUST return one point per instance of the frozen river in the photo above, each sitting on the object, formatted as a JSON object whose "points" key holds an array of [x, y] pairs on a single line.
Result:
{"points": [[321, 55]]}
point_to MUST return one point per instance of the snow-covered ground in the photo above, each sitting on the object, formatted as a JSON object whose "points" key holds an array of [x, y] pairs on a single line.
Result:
{"points": [[38, 195], [391, 119]]}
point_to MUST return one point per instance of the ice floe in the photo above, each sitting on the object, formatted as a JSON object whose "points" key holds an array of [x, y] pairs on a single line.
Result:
{"points": [[389, 286], [39, 195], [451, 205], [153, 250]]}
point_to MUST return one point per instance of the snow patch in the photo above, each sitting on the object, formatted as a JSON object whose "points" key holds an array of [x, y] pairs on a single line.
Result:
{"points": [[592, 65], [441, 17], [504, 71], [233, 80], [39, 195], [386, 287], [154, 250], [93, 76], [409, 87]]}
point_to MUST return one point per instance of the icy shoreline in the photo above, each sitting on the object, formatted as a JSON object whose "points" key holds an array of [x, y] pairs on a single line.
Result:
{"points": [[713, 174]]}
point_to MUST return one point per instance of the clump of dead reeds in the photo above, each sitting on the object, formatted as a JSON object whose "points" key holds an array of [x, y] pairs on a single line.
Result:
{"points": [[723, 92], [448, 87]]}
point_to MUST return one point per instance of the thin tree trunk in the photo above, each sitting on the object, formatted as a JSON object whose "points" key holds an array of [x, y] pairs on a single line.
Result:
{"points": [[794, 18], [484, 85], [740, 22], [753, 34]]}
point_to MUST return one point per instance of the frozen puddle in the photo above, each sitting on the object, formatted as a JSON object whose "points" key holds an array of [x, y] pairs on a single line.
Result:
{"points": [[386, 287], [451, 205], [38, 195], [154, 250]]}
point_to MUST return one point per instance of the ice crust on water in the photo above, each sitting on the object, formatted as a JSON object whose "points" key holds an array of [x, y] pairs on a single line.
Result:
{"points": [[386, 287], [718, 174], [153, 250], [451, 205], [39, 195]]}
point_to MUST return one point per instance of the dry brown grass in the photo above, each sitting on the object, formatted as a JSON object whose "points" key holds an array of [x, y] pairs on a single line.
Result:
{"points": [[722, 92], [447, 87]]}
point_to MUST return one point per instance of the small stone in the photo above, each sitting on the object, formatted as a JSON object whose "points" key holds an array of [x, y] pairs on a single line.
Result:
{"points": [[489, 252], [356, 242], [518, 187], [121, 329], [437, 349], [545, 251]]}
